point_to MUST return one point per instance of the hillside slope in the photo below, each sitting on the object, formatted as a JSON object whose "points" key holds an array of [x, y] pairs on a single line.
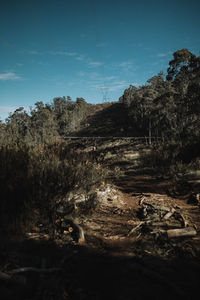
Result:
{"points": [[109, 120]]}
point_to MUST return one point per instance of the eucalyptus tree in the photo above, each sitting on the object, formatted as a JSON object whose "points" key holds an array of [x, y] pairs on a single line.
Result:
{"points": [[43, 122], [18, 126], [141, 106], [184, 73]]}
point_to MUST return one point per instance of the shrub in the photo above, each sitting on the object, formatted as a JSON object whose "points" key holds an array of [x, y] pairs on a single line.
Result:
{"points": [[32, 177]]}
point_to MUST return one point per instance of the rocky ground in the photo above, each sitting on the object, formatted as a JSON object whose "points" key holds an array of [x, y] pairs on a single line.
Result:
{"points": [[141, 240]]}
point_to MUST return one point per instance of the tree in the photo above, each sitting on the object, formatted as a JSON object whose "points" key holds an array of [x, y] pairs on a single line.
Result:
{"points": [[69, 99], [80, 101], [18, 125], [180, 64], [184, 73], [140, 104], [43, 123]]}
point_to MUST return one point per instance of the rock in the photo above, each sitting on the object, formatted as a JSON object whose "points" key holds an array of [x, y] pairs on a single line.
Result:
{"points": [[108, 194]]}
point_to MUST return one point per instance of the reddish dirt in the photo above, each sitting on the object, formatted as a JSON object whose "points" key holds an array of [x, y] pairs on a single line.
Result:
{"points": [[109, 226]]}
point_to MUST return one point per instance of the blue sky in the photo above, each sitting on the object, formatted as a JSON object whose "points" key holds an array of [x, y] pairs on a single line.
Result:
{"points": [[88, 48]]}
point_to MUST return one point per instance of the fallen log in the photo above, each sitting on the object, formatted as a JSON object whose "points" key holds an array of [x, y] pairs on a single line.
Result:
{"points": [[135, 228], [76, 230], [138, 225], [169, 214], [81, 236], [4, 276], [12, 278], [33, 269], [181, 218], [155, 206], [184, 222], [181, 232], [37, 236], [140, 202]]}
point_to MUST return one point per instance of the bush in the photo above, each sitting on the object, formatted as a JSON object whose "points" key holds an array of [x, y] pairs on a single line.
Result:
{"points": [[32, 177], [172, 159], [162, 159]]}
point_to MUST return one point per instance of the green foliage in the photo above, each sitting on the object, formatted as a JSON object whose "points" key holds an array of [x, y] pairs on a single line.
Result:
{"points": [[32, 177], [45, 121], [36, 166], [169, 108], [161, 159]]}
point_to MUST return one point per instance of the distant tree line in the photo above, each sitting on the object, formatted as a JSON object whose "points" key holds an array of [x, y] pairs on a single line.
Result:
{"points": [[45, 121], [167, 107]]}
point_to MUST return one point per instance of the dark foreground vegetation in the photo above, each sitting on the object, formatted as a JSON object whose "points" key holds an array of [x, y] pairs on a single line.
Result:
{"points": [[39, 166], [33, 177]]}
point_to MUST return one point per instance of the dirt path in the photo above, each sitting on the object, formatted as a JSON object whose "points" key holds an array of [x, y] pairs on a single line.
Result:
{"points": [[141, 265], [115, 263], [109, 227]]}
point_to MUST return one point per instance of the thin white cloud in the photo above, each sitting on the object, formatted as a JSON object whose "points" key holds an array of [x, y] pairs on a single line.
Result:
{"points": [[9, 76], [7, 109], [62, 53], [109, 78], [81, 73], [98, 77], [159, 62], [50, 52], [44, 64], [95, 63], [72, 83], [101, 45], [135, 84], [138, 45], [115, 86], [126, 64], [95, 75], [121, 82], [75, 55], [118, 85], [80, 57], [164, 54], [34, 52]]}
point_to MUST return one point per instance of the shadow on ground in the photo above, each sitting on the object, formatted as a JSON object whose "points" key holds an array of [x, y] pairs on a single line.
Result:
{"points": [[87, 274], [141, 182]]}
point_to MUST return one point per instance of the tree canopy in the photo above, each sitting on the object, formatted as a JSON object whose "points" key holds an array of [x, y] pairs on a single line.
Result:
{"points": [[171, 104]]}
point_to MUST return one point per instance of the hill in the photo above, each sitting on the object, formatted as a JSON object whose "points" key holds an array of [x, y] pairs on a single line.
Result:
{"points": [[109, 119]]}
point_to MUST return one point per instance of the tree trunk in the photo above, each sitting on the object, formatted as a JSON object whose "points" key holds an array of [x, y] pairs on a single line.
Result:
{"points": [[149, 131]]}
